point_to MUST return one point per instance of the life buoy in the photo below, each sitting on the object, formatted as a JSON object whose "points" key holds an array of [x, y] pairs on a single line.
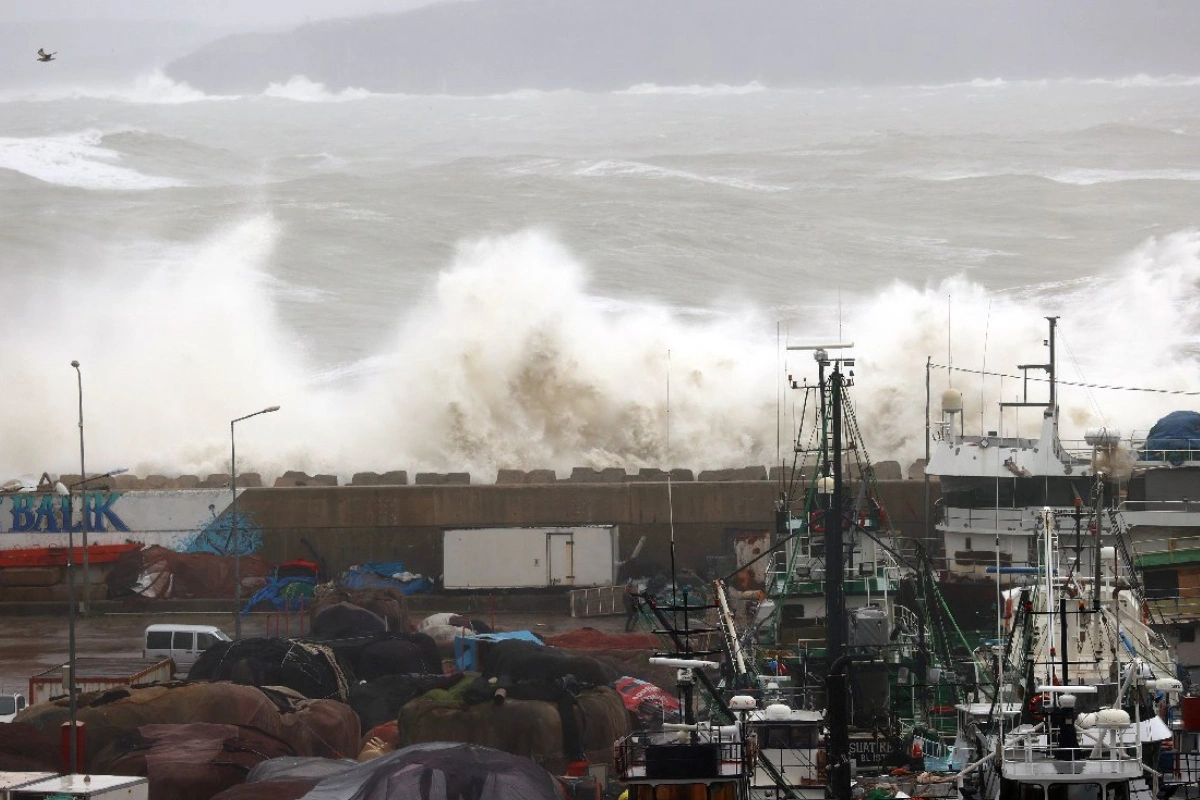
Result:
{"points": [[1036, 706]]}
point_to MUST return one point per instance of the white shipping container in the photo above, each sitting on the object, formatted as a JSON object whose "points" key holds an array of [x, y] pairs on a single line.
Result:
{"points": [[529, 558], [108, 787]]}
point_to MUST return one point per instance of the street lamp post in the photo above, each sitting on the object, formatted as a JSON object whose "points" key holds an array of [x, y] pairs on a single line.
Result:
{"points": [[65, 491], [87, 580], [237, 542]]}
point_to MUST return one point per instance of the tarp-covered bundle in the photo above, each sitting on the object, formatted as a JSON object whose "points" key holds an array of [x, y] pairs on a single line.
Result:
{"points": [[309, 727], [345, 619], [441, 771], [158, 572], [379, 701], [387, 604], [189, 762], [1175, 438], [388, 654], [25, 748], [310, 668], [553, 722], [515, 660]]}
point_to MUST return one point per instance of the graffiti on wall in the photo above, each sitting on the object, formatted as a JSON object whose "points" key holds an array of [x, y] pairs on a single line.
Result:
{"points": [[52, 513], [187, 521]]}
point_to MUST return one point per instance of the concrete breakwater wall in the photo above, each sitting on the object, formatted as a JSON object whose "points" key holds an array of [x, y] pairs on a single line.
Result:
{"points": [[884, 471], [352, 524]]}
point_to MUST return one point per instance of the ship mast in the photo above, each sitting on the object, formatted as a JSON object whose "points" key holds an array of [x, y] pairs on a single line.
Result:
{"points": [[837, 697]]}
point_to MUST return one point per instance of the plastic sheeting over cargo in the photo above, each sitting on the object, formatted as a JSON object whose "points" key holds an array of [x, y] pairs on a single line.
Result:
{"points": [[384, 575], [437, 771], [1174, 438]]}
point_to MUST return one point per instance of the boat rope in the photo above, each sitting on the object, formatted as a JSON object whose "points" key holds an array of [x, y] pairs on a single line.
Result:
{"points": [[1079, 384]]}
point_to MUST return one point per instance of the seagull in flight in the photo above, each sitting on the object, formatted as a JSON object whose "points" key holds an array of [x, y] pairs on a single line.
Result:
{"points": [[44, 56]]}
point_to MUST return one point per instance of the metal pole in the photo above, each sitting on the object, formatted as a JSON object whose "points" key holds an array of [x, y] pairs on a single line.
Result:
{"points": [[237, 538], [71, 705], [87, 579], [839, 768], [237, 544]]}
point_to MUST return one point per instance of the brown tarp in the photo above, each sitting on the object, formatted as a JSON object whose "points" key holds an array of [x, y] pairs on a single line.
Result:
{"points": [[311, 727], [189, 762], [159, 572]]}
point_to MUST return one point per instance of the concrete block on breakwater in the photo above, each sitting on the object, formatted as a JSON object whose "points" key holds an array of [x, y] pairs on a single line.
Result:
{"points": [[294, 478], [396, 477], [742, 474]]}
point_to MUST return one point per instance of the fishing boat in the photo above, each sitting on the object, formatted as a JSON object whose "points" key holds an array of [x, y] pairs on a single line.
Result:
{"points": [[846, 628], [994, 484], [1084, 686]]}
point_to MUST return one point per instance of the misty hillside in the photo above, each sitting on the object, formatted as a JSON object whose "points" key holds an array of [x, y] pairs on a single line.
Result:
{"points": [[491, 46]]}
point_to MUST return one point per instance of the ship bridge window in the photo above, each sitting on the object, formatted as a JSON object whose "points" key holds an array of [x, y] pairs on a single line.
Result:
{"points": [[1087, 791], [788, 737]]}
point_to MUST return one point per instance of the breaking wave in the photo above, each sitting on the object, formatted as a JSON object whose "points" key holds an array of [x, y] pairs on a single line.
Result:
{"points": [[712, 90], [301, 89], [78, 160], [508, 360]]}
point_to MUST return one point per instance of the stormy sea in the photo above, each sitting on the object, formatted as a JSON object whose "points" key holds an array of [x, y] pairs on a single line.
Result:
{"points": [[555, 279]]}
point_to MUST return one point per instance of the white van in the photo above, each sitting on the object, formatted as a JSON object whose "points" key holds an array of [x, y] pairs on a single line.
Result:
{"points": [[181, 643], [11, 703]]}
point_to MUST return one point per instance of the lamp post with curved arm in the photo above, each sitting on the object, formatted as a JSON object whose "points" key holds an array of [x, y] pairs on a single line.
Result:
{"points": [[237, 541], [87, 580], [65, 491]]}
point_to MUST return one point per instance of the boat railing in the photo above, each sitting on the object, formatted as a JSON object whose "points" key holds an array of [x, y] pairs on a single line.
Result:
{"points": [[1033, 754], [672, 755]]}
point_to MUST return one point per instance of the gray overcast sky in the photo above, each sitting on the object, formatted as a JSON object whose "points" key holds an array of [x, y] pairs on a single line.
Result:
{"points": [[219, 13]]}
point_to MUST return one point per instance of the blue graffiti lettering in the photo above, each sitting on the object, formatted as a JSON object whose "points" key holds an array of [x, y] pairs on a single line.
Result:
{"points": [[101, 511], [23, 516], [47, 515]]}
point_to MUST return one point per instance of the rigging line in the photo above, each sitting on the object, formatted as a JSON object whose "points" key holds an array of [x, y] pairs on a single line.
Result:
{"points": [[1079, 384], [983, 377], [1079, 369]]}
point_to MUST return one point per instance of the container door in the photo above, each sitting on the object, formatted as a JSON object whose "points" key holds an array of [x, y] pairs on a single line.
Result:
{"points": [[560, 558]]}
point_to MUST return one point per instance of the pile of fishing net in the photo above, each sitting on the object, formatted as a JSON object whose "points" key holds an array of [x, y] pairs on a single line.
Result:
{"points": [[310, 668], [158, 572], [25, 748], [308, 727], [386, 604], [189, 762]]}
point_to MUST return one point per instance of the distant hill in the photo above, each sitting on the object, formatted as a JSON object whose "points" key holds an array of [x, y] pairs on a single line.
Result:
{"points": [[490, 46]]}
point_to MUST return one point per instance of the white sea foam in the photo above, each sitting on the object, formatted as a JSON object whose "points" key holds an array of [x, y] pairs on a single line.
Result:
{"points": [[616, 168], [712, 90], [510, 361], [75, 160], [303, 90], [1079, 176], [153, 88]]}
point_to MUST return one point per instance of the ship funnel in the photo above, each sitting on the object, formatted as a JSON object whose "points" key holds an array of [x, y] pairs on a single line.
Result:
{"points": [[952, 402]]}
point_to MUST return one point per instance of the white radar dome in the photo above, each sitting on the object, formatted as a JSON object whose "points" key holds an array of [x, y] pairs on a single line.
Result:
{"points": [[1111, 718], [952, 401]]}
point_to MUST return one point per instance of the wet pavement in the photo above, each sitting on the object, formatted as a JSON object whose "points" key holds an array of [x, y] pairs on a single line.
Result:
{"points": [[33, 644]]}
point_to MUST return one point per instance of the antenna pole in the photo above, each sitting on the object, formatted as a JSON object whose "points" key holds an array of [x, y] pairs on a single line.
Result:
{"points": [[835, 613], [928, 510]]}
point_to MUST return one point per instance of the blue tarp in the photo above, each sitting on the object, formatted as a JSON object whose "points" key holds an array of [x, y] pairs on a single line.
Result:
{"points": [[1174, 438], [384, 575], [286, 594], [466, 648]]}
